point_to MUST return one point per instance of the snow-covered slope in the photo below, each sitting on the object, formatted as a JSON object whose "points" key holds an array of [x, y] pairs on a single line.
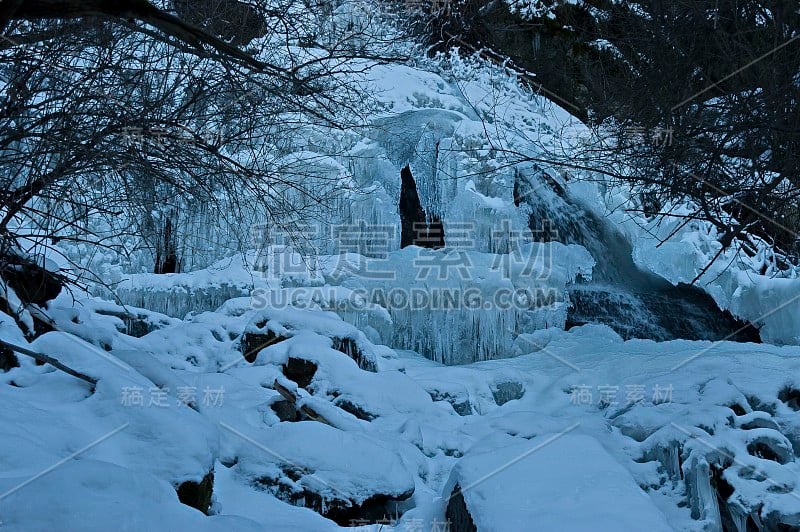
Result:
{"points": [[581, 428]]}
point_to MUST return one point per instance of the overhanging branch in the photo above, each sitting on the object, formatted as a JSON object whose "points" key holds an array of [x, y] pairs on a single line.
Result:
{"points": [[140, 10]]}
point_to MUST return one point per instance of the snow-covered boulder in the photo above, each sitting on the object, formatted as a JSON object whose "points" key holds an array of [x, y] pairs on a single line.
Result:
{"points": [[558, 481], [341, 475]]}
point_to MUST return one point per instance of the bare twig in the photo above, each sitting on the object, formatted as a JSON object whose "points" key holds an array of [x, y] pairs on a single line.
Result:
{"points": [[49, 360], [293, 400]]}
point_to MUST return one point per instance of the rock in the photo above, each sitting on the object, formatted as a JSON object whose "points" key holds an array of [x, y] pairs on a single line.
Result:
{"points": [[252, 343], [31, 282], [138, 327], [757, 420], [342, 476], [286, 411], [770, 448], [737, 409], [461, 405], [300, 371], [504, 392], [197, 494], [790, 396], [344, 512], [352, 408], [457, 513], [349, 347], [270, 326], [372, 510], [514, 486], [417, 228], [8, 359], [134, 324]]}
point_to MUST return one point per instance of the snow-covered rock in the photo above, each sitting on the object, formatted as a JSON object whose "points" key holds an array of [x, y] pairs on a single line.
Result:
{"points": [[561, 481]]}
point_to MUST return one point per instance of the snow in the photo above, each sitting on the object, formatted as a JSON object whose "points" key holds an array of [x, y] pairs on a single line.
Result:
{"points": [[333, 463], [511, 487], [242, 499], [634, 406], [95, 496]]}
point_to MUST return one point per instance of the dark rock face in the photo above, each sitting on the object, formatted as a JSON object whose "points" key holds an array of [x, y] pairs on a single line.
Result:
{"points": [[300, 371], [730, 513], [664, 312], [168, 265], [342, 511], [461, 406], [457, 514], [634, 302], [356, 410], [372, 510], [790, 396], [8, 359], [286, 411], [723, 491], [138, 327], [416, 227], [349, 347], [197, 494], [504, 392], [252, 343], [31, 282], [167, 254]]}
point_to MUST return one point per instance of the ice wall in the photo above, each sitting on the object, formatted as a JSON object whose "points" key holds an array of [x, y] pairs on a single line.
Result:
{"points": [[458, 307]]}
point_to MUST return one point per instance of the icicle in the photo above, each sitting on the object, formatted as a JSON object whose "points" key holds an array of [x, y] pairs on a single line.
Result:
{"points": [[702, 496], [739, 518], [178, 301]]}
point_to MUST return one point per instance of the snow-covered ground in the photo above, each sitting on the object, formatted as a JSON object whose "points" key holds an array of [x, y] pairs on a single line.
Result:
{"points": [[582, 430]]}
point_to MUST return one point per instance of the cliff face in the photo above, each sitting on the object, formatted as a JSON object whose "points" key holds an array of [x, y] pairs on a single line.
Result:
{"points": [[417, 227]]}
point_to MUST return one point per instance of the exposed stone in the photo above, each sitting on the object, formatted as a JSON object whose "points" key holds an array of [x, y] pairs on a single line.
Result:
{"points": [[343, 512], [457, 513], [661, 312], [757, 404], [462, 406], [136, 325], [349, 347], [504, 392], [775, 521], [769, 450], [354, 409], [760, 423], [252, 343], [373, 510], [8, 359], [737, 409], [417, 228], [300, 371], [31, 282], [790, 396], [197, 494], [285, 411], [724, 490]]}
